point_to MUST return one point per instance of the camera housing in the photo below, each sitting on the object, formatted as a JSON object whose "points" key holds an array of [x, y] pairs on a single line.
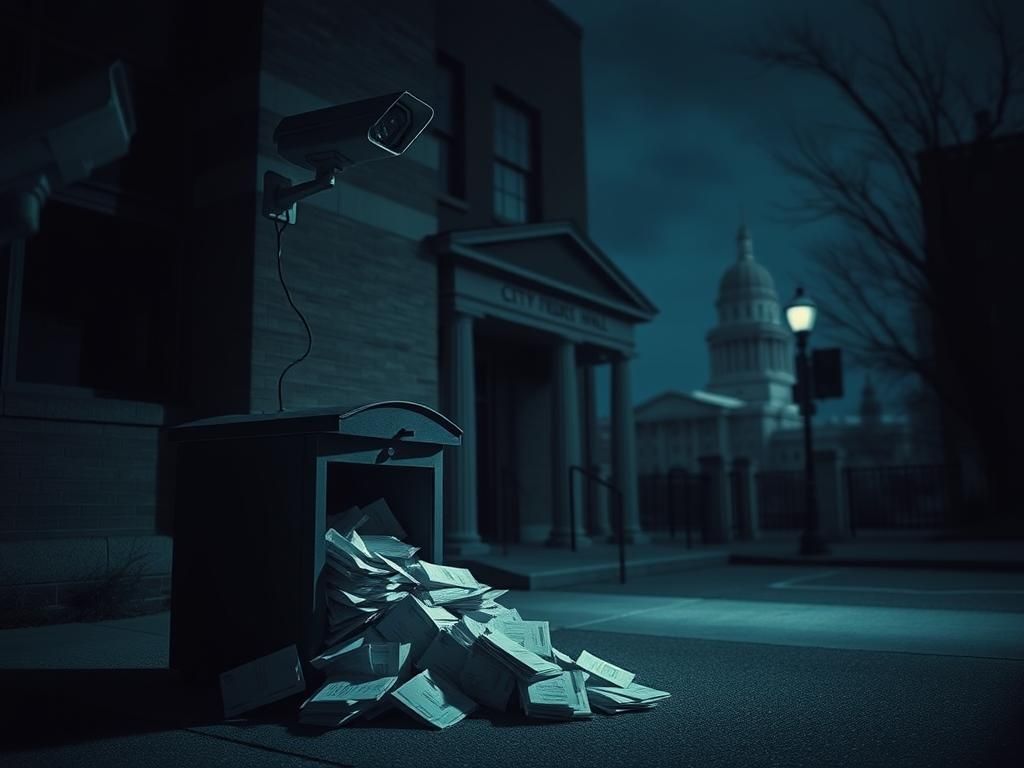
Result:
{"points": [[59, 138], [348, 134], [327, 141]]}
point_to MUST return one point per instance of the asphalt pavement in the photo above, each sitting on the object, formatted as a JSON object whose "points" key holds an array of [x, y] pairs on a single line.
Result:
{"points": [[767, 665]]}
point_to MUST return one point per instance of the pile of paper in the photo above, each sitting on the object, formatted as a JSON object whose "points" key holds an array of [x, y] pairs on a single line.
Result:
{"points": [[433, 642]]}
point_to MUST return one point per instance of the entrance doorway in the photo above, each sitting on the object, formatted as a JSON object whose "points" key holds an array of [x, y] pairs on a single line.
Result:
{"points": [[513, 372]]}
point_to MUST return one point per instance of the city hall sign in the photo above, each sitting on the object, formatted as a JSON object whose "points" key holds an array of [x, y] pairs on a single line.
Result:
{"points": [[547, 306], [531, 304]]}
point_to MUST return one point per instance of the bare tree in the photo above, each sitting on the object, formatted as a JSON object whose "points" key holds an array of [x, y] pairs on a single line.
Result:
{"points": [[907, 99], [909, 96]]}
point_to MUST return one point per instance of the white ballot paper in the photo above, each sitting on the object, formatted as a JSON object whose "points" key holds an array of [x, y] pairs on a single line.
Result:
{"points": [[410, 621], [332, 694], [604, 670], [487, 680], [563, 697], [262, 681], [371, 660], [445, 655], [532, 635], [525, 665], [446, 576], [434, 700]]}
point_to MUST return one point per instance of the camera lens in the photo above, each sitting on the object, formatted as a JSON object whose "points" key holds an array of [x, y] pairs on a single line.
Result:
{"points": [[390, 128]]}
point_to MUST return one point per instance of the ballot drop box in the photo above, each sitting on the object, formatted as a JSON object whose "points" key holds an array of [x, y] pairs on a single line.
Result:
{"points": [[253, 494]]}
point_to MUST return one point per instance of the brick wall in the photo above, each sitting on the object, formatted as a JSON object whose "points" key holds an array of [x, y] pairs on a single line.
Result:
{"points": [[371, 301], [71, 478], [369, 292], [531, 51]]}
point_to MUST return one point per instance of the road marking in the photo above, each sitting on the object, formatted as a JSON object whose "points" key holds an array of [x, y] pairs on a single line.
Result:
{"points": [[617, 616], [800, 582]]}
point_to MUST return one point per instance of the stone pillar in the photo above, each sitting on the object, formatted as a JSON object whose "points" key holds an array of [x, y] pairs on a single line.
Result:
{"points": [[833, 516], [566, 446], [461, 535], [624, 451], [718, 526], [746, 504], [594, 495]]}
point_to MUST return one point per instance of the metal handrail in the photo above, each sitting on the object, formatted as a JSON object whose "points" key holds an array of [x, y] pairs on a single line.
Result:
{"points": [[619, 516]]}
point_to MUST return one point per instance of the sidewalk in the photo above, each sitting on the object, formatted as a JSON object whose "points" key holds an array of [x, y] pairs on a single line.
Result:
{"points": [[886, 549], [540, 567]]}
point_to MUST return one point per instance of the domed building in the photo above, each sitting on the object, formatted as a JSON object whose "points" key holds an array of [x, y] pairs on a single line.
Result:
{"points": [[749, 394], [750, 348], [745, 419]]}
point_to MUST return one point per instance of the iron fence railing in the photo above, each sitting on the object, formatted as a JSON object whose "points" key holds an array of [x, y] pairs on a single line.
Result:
{"points": [[674, 500], [620, 522], [780, 499], [897, 497]]}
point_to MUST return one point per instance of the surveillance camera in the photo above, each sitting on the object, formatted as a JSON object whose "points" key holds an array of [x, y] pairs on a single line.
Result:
{"points": [[329, 140], [57, 139], [337, 137]]}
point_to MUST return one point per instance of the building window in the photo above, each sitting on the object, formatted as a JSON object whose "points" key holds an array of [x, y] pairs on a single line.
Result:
{"points": [[514, 163], [447, 128]]}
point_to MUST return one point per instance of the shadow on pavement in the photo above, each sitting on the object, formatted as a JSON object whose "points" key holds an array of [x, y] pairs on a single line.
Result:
{"points": [[61, 706]]}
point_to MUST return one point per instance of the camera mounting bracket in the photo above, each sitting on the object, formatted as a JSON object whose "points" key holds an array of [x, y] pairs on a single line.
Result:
{"points": [[280, 195]]}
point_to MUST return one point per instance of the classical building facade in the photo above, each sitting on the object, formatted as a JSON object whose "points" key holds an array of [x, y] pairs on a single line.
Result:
{"points": [[746, 411], [749, 394], [459, 275]]}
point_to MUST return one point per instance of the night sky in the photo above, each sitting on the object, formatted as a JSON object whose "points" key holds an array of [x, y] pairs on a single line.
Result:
{"points": [[680, 128]]}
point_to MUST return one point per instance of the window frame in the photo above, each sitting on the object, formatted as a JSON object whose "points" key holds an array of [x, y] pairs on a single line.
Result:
{"points": [[454, 138], [530, 175]]}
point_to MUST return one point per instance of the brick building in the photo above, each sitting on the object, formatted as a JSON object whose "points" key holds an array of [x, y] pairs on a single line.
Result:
{"points": [[973, 327], [459, 275]]}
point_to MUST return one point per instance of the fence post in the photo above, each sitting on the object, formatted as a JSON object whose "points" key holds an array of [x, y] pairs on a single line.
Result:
{"points": [[719, 505], [851, 502], [832, 519], [746, 503]]}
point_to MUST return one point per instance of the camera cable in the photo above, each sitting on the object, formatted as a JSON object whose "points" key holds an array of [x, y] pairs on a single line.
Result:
{"points": [[280, 227]]}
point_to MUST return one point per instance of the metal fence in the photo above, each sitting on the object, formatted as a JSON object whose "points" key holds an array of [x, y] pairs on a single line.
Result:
{"points": [[898, 497], [901, 497], [780, 499], [674, 503]]}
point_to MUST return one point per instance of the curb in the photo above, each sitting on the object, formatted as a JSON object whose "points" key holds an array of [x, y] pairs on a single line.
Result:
{"points": [[1010, 566]]}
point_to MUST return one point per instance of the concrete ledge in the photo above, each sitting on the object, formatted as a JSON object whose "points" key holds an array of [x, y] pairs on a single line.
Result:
{"points": [[534, 568]]}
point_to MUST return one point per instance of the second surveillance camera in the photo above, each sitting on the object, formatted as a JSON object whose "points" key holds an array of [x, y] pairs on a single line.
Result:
{"points": [[337, 137]]}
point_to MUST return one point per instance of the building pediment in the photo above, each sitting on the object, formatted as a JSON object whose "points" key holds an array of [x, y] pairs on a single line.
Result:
{"points": [[684, 405], [554, 256]]}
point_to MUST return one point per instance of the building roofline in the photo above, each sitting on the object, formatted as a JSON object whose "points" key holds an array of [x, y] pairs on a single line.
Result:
{"points": [[568, 20]]}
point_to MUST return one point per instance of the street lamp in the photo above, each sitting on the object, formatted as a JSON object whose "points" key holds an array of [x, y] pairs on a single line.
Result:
{"points": [[801, 313]]}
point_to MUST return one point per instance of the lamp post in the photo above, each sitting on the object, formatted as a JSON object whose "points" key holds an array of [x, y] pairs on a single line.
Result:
{"points": [[801, 313]]}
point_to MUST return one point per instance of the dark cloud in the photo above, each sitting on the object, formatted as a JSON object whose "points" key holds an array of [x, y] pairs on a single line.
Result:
{"points": [[681, 127]]}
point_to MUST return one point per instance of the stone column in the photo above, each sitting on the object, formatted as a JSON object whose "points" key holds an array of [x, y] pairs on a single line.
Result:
{"points": [[718, 526], [746, 504], [566, 445], [833, 516], [461, 535], [624, 452], [594, 495]]}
